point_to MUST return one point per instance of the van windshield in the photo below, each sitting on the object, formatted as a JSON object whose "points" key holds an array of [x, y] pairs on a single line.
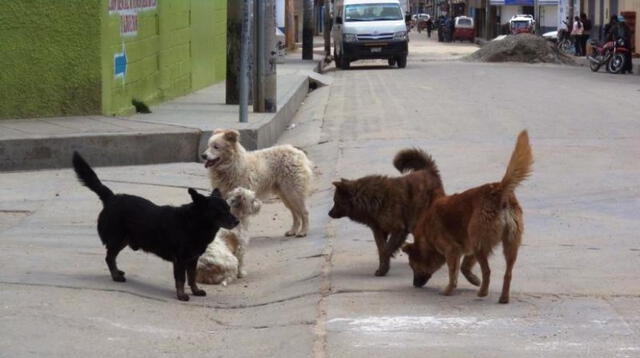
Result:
{"points": [[372, 12]]}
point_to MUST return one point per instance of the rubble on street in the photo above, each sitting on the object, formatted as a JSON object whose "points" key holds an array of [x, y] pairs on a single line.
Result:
{"points": [[520, 48]]}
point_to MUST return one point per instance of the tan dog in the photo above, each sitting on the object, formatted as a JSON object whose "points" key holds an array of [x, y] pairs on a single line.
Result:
{"points": [[281, 170], [471, 224]]}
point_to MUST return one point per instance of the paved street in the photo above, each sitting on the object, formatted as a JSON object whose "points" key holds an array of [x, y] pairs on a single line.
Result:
{"points": [[575, 291]]}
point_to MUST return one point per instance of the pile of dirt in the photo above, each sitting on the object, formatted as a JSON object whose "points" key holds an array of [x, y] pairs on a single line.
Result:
{"points": [[520, 48]]}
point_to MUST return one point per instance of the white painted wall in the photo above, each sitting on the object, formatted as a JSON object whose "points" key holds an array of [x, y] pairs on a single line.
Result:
{"points": [[280, 13], [549, 16], [507, 12]]}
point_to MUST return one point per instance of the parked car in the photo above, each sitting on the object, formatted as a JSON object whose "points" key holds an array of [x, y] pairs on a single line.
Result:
{"points": [[369, 29], [464, 29], [421, 21], [522, 23]]}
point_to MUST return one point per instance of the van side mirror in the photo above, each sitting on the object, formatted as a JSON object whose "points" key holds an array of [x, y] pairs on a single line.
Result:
{"points": [[339, 20]]}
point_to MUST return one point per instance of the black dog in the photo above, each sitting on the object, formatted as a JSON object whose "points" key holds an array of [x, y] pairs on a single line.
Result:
{"points": [[176, 234]]}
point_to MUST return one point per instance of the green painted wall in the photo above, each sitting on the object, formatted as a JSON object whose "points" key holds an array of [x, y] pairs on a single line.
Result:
{"points": [[179, 47], [57, 56], [208, 49], [49, 58]]}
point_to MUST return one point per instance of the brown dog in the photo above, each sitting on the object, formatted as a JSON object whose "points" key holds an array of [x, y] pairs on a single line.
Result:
{"points": [[390, 206], [471, 224]]}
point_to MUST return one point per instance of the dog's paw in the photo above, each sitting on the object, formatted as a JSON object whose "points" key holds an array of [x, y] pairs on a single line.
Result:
{"points": [[121, 273], [119, 278], [183, 297], [483, 293], [504, 299], [242, 273], [301, 234], [448, 291], [199, 292], [381, 271], [290, 233]]}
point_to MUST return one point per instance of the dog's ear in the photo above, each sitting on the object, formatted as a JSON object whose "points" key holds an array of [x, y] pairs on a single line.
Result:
{"points": [[256, 203], [232, 135], [195, 196], [343, 186], [216, 193], [218, 130], [343, 183]]}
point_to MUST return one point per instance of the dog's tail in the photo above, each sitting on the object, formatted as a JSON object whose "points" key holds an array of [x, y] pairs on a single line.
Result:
{"points": [[412, 159], [88, 178], [519, 166]]}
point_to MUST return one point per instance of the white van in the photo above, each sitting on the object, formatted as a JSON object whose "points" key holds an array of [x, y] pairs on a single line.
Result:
{"points": [[369, 29]]}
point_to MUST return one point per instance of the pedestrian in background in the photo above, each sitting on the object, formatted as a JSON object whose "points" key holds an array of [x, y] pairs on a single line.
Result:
{"points": [[452, 27], [586, 33], [608, 28], [622, 32], [429, 27], [576, 34]]}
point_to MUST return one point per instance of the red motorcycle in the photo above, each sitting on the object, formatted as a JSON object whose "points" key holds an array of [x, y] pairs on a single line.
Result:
{"points": [[611, 53]]}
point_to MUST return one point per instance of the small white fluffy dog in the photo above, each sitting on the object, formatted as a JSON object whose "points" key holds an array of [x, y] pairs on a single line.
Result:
{"points": [[223, 260], [282, 170]]}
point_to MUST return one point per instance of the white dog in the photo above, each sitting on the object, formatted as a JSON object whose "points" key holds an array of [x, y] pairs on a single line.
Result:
{"points": [[282, 170], [223, 260]]}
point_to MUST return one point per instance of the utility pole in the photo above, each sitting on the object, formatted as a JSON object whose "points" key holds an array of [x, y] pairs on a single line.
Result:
{"points": [[234, 30], [264, 83], [487, 19], [245, 50], [307, 30], [290, 24], [536, 15], [326, 32]]}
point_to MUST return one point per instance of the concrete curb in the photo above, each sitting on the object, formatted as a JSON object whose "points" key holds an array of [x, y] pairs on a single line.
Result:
{"points": [[160, 143], [123, 149]]}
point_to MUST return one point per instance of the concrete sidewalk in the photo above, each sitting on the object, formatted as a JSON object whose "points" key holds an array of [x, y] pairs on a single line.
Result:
{"points": [[175, 131]]}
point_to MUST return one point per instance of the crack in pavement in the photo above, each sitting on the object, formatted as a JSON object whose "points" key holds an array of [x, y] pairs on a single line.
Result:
{"points": [[157, 299], [35, 284], [240, 327], [16, 211], [153, 184]]}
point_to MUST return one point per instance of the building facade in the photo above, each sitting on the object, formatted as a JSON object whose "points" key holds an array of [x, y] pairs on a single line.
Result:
{"points": [[83, 57]]}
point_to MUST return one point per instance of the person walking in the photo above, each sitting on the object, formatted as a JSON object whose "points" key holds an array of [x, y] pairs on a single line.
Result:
{"points": [[586, 33], [440, 26], [608, 28], [429, 27], [622, 32], [576, 34], [452, 27]]}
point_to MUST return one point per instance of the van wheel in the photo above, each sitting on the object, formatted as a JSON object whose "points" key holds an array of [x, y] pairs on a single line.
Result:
{"points": [[392, 62], [402, 61]]}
